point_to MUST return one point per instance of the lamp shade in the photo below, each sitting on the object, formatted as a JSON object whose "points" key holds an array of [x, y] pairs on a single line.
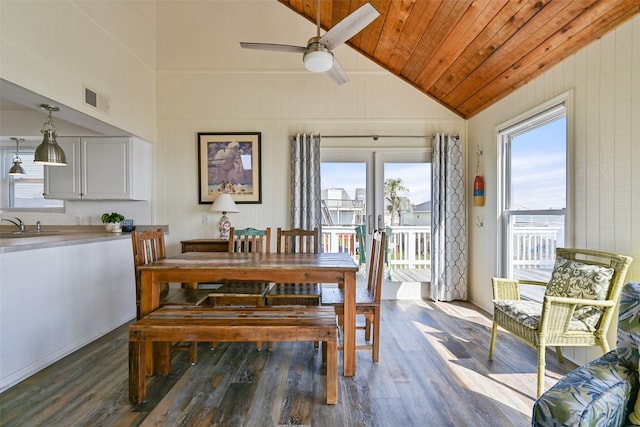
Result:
{"points": [[17, 169], [49, 152], [224, 203]]}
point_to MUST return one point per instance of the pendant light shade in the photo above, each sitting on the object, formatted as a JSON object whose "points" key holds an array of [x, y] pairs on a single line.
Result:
{"points": [[17, 170], [49, 152]]}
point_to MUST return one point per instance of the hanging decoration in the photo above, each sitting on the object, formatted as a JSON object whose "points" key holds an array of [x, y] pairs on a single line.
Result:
{"points": [[478, 183]]}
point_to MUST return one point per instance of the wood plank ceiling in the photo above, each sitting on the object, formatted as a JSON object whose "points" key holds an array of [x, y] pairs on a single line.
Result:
{"points": [[468, 54]]}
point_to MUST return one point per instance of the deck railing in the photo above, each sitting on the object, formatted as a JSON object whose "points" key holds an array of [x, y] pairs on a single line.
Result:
{"points": [[535, 247], [409, 247]]}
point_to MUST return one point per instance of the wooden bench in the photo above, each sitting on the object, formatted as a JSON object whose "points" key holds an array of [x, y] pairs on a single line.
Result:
{"points": [[179, 323]]}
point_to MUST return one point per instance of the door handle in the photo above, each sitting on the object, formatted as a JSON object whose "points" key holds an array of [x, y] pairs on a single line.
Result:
{"points": [[369, 224], [380, 222]]}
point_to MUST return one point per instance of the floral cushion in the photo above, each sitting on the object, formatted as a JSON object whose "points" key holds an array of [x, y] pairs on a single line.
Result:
{"points": [[634, 417], [574, 279], [528, 313], [629, 324], [599, 393]]}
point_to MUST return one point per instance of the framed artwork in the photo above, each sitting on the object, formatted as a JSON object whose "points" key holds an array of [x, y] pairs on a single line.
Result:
{"points": [[229, 163]]}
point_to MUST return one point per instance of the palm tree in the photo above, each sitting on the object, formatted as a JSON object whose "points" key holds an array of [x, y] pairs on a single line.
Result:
{"points": [[393, 186]]}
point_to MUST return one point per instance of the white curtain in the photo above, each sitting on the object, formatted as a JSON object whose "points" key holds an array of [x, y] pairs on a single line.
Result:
{"points": [[448, 221], [305, 182]]}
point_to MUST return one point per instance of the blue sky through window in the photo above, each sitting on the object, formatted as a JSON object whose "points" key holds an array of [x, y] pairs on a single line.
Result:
{"points": [[538, 167], [415, 176]]}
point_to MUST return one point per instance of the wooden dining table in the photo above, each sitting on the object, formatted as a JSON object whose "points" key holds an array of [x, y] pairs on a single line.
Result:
{"points": [[211, 267]]}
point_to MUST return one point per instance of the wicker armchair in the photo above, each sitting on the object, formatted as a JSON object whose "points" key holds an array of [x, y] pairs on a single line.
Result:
{"points": [[579, 303]]}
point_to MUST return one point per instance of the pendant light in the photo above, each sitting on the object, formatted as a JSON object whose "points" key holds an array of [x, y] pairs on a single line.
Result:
{"points": [[17, 170], [49, 152]]}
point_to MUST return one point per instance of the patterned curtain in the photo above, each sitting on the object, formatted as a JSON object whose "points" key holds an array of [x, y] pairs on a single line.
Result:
{"points": [[448, 221], [305, 182]]}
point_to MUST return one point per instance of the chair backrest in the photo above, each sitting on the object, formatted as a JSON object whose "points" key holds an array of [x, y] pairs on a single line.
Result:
{"points": [[250, 240], [376, 264], [297, 240], [589, 271], [361, 235], [148, 246]]}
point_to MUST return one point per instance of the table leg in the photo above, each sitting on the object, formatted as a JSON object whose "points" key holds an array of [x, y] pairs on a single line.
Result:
{"points": [[349, 325], [149, 301]]}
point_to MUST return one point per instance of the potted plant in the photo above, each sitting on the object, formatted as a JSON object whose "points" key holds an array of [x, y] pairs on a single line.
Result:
{"points": [[112, 221]]}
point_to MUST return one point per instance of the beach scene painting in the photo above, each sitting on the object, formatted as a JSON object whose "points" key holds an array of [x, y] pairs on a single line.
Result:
{"points": [[229, 163]]}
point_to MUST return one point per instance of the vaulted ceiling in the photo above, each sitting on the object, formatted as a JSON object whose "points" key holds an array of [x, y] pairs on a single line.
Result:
{"points": [[468, 54]]}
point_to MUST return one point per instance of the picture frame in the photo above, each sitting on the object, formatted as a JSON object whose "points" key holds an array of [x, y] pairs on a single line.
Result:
{"points": [[230, 163]]}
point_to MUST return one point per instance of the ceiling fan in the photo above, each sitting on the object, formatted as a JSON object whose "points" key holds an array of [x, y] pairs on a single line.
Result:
{"points": [[317, 55]]}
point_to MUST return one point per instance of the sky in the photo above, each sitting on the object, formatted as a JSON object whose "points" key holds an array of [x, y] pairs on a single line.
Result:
{"points": [[538, 173], [415, 176]]}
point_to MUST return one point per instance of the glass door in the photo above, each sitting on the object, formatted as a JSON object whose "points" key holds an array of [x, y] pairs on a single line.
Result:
{"points": [[363, 191]]}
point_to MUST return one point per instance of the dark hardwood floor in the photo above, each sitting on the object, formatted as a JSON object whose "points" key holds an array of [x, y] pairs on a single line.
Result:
{"points": [[433, 371]]}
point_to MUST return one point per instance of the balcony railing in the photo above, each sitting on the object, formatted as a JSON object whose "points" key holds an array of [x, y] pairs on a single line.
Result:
{"points": [[535, 247], [409, 247]]}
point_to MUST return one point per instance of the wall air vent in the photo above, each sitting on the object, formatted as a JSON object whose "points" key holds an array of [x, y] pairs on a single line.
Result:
{"points": [[96, 100]]}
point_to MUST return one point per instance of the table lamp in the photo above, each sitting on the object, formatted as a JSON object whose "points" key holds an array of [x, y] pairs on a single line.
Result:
{"points": [[224, 203]]}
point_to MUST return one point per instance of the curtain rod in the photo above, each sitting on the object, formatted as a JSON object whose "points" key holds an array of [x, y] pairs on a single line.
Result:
{"points": [[376, 137]]}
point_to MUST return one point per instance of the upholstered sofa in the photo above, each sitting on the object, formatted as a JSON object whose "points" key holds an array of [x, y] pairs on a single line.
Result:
{"points": [[604, 391]]}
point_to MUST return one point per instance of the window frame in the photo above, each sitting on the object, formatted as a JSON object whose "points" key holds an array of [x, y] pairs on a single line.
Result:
{"points": [[544, 113], [7, 154]]}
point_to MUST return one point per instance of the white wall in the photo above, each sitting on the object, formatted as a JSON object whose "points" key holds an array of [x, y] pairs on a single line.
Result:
{"points": [[605, 144], [216, 86], [56, 48]]}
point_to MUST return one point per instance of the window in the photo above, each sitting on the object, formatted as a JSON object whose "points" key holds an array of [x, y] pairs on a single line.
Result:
{"points": [[533, 193], [25, 193]]}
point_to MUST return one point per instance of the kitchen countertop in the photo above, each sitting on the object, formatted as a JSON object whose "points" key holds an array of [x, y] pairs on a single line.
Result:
{"points": [[53, 236]]}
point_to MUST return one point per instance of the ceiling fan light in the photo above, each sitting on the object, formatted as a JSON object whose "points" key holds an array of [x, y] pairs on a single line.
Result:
{"points": [[318, 60]]}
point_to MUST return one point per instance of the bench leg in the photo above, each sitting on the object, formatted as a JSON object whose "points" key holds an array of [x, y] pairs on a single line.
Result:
{"points": [[332, 371], [137, 372], [162, 357]]}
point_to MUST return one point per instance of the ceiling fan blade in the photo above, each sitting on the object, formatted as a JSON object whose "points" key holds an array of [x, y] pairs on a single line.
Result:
{"points": [[349, 26], [337, 73], [273, 46]]}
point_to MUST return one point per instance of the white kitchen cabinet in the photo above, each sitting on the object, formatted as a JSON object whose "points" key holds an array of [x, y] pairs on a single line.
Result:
{"points": [[101, 168]]}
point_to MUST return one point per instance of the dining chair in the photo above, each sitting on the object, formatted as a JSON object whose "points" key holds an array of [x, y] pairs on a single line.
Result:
{"points": [[579, 303], [367, 300], [361, 236], [296, 240], [243, 293], [148, 246]]}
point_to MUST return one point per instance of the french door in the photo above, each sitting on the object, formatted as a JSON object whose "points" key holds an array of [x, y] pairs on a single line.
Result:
{"points": [[391, 190]]}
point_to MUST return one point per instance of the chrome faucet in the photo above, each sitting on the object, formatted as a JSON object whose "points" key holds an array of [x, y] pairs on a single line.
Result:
{"points": [[18, 224]]}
